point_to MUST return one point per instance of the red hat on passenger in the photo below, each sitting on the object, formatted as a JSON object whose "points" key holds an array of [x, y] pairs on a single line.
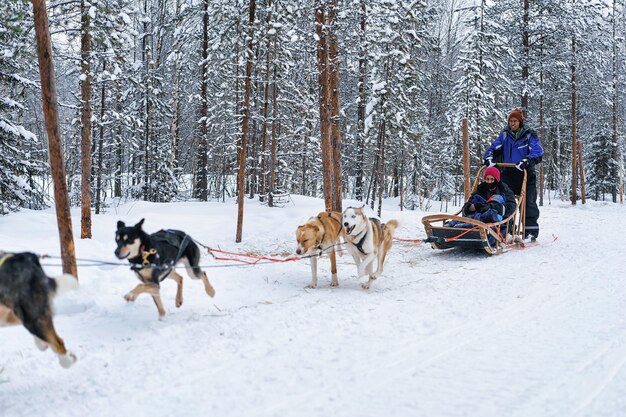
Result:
{"points": [[493, 171], [516, 114]]}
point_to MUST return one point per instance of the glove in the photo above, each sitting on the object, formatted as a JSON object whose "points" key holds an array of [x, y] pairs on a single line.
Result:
{"points": [[488, 162], [480, 207], [522, 165]]}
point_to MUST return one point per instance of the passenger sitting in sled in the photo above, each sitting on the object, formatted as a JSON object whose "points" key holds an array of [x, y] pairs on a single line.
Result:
{"points": [[492, 202]]}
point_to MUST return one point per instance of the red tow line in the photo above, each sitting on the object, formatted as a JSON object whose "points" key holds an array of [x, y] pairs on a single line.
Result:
{"points": [[408, 240], [256, 259]]}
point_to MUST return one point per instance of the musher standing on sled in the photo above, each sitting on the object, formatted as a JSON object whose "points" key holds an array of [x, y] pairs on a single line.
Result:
{"points": [[519, 144]]}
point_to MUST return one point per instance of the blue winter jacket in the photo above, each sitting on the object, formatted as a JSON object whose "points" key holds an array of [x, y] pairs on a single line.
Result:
{"points": [[511, 148]]}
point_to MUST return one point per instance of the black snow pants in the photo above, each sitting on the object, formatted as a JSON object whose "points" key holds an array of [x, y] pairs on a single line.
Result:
{"points": [[513, 177]]}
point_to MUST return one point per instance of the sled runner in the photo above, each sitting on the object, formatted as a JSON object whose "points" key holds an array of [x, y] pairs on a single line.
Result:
{"points": [[471, 233]]}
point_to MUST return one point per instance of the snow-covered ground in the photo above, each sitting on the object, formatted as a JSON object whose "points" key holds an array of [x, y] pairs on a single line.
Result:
{"points": [[533, 332]]}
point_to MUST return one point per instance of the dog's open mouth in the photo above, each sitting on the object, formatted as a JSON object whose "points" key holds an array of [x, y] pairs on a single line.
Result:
{"points": [[349, 229], [120, 256]]}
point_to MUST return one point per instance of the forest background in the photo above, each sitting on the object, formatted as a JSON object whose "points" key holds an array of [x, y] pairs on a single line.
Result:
{"points": [[165, 100]]}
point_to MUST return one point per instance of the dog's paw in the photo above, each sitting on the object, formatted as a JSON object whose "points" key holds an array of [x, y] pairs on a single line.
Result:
{"points": [[130, 297], [334, 284], [312, 285], [67, 360], [41, 345], [179, 302], [366, 285], [210, 290]]}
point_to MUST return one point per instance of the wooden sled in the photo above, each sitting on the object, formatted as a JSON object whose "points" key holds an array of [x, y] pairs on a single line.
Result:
{"points": [[441, 236]]}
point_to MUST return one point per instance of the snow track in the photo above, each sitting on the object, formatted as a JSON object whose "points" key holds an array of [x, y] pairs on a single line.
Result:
{"points": [[534, 332]]}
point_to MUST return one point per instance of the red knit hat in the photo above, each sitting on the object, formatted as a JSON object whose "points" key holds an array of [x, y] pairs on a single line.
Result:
{"points": [[493, 171], [516, 114]]}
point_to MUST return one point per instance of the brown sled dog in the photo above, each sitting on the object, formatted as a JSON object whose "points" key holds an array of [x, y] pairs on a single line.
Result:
{"points": [[320, 233], [367, 239]]}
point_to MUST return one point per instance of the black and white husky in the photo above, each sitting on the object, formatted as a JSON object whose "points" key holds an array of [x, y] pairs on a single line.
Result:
{"points": [[153, 257], [26, 295]]}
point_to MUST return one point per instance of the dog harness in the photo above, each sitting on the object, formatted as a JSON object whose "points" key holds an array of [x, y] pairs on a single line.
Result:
{"points": [[359, 245], [324, 235]]}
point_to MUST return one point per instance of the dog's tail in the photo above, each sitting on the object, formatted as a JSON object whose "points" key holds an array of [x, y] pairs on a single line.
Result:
{"points": [[391, 225], [62, 284]]}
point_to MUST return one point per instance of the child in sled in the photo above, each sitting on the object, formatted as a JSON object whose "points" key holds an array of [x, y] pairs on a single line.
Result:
{"points": [[492, 202]]}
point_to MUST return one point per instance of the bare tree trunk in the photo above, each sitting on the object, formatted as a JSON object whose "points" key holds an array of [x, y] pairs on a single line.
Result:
{"points": [[615, 112], [146, 62], [328, 66], [581, 172], [55, 145], [262, 183], [274, 143], [526, 45], [244, 126], [100, 140], [201, 174], [333, 74], [381, 166], [360, 143], [85, 131], [401, 186], [118, 143], [322, 62], [175, 128], [466, 160], [574, 196], [541, 121]]}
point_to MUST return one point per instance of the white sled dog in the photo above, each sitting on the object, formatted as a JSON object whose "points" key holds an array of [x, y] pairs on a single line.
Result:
{"points": [[367, 239]]}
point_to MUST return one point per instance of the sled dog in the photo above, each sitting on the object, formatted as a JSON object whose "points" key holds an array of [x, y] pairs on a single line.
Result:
{"points": [[321, 233], [153, 258], [26, 295], [367, 239]]}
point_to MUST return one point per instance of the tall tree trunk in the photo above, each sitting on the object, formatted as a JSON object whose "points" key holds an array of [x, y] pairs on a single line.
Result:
{"points": [[266, 88], [526, 45], [100, 140], [333, 74], [118, 143], [322, 62], [328, 67], [175, 128], [541, 128], [614, 179], [274, 143], [574, 195], [244, 126], [146, 146], [85, 131], [55, 145], [201, 174], [381, 166], [360, 142]]}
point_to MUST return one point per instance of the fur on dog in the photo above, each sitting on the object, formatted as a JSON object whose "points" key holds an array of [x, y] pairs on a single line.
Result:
{"points": [[321, 233], [367, 239], [153, 258], [26, 295]]}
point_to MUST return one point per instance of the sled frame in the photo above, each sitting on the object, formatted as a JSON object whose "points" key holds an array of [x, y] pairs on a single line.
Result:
{"points": [[446, 237]]}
